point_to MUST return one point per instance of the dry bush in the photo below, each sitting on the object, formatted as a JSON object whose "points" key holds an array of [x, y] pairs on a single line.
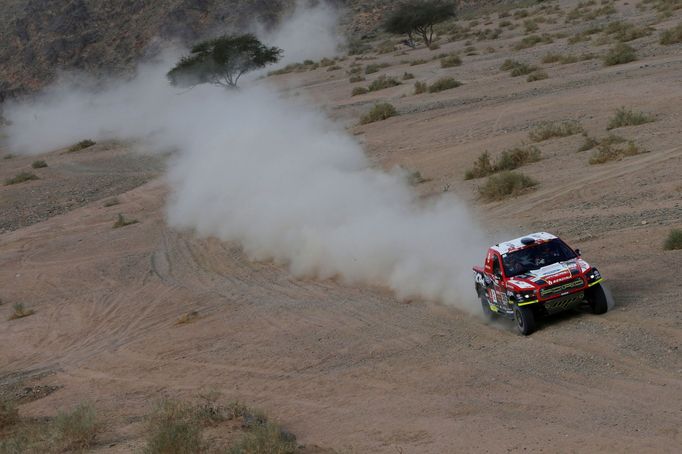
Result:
{"points": [[608, 152], [671, 36], [530, 26], [509, 160], [407, 76], [265, 438], [9, 415], [122, 221], [420, 87], [619, 54], [39, 164], [359, 91], [549, 129], [516, 157], [450, 61], [482, 167], [374, 68], [385, 46], [628, 117], [19, 311], [588, 143], [419, 61], [674, 240], [355, 78], [533, 40], [444, 83], [379, 112], [189, 317], [504, 185], [77, 429], [383, 82], [536, 75], [625, 31], [517, 68], [82, 145], [174, 428], [21, 178], [111, 202]]}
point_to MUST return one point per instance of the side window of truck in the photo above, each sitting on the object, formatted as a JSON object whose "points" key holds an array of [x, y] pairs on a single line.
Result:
{"points": [[496, 266]]}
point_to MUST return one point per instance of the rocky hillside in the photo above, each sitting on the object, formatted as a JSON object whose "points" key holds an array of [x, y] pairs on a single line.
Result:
{"points": [[38, 37]]}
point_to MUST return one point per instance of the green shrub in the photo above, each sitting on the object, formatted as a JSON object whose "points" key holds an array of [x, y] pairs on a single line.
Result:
{"points": [[530, 26], [504, 185], [444, 83], [82, 145], [76, 430], [408, 76], [267, 438], [549, 129], [624, 31], [19, 311], [39, 164], [383, 82], [420, 87], [517, 68], [537, 75], [607, 152], [371, 69], [356, 78], [671, 36], [379, 112], [588, 143], [628, 117], [9, 415], [619, 54], [122, 222], [450, 61], [359, 91], [551, 58], [674, 240], [174, 428], [532, 40], [21, 178], [516, 157], [482, 167]]}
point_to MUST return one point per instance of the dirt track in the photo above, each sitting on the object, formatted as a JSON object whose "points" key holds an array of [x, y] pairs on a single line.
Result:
{"points": [[353, 368]]}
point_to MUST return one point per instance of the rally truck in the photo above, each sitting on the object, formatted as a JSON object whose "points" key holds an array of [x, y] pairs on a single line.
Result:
{"points": [[535, 275]]}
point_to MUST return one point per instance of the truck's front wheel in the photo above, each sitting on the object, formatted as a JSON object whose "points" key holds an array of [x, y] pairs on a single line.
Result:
{"points": [[525, 320], [597, 300], [486, 307]]}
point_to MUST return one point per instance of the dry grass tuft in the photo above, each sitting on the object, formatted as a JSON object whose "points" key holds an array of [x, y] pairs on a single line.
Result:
{"points": [[189, 317], [505, 184], [673, 241], [379, 112], [19, 311], [82, 145], [444, 83], [671, 36], [551, 129], [619, 54], [628, 117], [21, 178], [39, 164], [122, 222], [608, 152], [77, 429]]}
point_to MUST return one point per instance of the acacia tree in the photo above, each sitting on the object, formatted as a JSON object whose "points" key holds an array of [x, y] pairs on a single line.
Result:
{"points": [[222, 61], [419, 17]]}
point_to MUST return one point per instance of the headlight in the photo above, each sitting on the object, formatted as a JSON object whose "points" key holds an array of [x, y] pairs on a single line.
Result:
{"points": [[593, 275], [522, 296]]}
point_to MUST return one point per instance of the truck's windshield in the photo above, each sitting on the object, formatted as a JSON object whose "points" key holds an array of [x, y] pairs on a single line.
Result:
{"points": [[536, 256]]}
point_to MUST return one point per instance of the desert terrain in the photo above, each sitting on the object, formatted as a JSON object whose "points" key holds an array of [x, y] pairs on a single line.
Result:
{"points": [[350, 368]]}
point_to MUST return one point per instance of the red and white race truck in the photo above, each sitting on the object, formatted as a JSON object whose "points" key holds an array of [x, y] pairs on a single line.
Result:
{"points": [[535, 275]]}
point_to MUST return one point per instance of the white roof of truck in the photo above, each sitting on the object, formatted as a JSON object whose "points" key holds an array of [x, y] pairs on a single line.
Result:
{"points": [[511, 245]]}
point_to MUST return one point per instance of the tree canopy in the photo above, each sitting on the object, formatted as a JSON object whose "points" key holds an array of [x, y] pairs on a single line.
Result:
{"points": [[222, 61], [419, 17]]}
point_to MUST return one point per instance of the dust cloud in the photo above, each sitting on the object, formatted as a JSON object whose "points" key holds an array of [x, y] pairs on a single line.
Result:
{"points": [[273, 174]]}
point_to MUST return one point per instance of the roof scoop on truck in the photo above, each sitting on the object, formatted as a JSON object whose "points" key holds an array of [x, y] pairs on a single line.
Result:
{"points": [[527, 240]]}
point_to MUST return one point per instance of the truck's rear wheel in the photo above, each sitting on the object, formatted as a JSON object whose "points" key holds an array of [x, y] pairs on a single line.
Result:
{"points": [[486, 307], [597, 299], [525, 320]]}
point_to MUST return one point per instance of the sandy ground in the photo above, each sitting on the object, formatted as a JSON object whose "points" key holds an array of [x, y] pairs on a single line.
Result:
{"points": [[353, 369]]}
